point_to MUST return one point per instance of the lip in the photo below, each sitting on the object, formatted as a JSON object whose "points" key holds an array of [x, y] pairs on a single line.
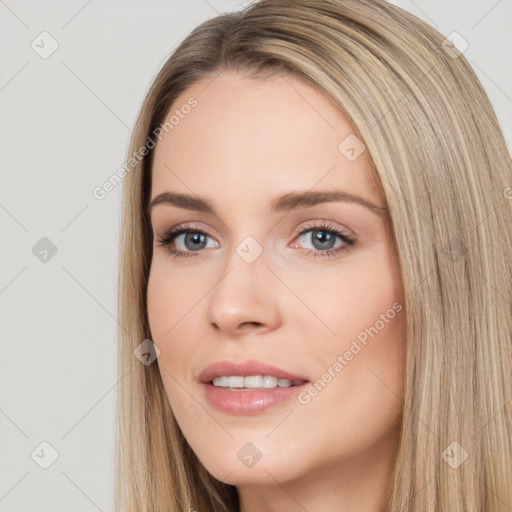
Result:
{"points": [[246, 403]]}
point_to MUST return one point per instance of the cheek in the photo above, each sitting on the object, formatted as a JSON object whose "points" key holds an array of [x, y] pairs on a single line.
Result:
{"points": [[361, 333], [170, 296], [168, 302], [175, 299], [352, 299], [160, 303]]}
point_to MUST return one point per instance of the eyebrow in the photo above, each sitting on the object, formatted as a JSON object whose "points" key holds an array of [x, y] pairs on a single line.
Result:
{"points": [[282, 203]]}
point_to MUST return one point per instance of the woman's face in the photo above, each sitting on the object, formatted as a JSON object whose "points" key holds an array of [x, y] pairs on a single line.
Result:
{"points": [[311, 287]]}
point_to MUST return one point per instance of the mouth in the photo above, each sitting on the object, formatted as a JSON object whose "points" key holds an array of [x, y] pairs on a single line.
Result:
{"points": [[249, 387]]}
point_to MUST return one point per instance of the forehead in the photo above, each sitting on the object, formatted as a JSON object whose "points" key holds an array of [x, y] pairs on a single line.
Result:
{"points": [[251, 138]]}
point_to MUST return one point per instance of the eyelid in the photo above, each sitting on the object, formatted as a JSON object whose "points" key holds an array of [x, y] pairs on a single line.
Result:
{"points": [[179, 229], [323, 224], [306, 225]]}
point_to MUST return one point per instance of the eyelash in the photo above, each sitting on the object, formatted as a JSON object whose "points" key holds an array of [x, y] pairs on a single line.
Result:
{"points": [[168, 238]]}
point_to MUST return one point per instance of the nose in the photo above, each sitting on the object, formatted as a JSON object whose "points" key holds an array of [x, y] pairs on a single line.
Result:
{"points": [[244, 298]]}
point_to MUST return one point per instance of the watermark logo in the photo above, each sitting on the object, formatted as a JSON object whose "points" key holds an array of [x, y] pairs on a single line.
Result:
{"points": [[44, 45], [249, 249], [454, 455], [351, 147], [44, 250], [249, 454], [44, 455], [101, 191], [146, 352], [455, 45], [343, 360]]}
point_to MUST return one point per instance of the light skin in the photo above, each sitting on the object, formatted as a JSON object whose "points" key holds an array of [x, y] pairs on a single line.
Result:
{"points": [[246, 142]]}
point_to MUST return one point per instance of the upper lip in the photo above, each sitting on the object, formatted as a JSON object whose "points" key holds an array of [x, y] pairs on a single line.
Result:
{"points": [[245, 369]]}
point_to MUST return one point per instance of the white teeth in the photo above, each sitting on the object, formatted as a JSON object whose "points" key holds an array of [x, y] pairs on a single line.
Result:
{"points": [[235, 382], [253, 382], [221, 381], [269, 382]]}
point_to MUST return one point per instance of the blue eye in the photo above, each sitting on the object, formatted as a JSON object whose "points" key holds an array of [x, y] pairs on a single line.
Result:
{"points": [[193, 236], [324, 241], [323, 237]]}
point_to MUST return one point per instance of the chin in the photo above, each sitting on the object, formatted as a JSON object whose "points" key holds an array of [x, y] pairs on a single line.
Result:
{"points": [[265, 471], [257, 475]]}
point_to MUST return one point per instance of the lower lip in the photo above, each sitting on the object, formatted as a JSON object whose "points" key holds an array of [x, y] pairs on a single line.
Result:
{"points": [[246, 403]]}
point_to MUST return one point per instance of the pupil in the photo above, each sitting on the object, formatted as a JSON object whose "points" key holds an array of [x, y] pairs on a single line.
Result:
{"points": [[323, 237], [195, 238]]}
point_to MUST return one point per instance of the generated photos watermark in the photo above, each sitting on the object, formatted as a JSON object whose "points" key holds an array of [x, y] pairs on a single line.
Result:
{"points": [[343, 360], [101, 191]]}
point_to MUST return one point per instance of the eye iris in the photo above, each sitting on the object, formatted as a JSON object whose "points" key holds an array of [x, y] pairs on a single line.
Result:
{"points": [[323, 237], [195, 238]]}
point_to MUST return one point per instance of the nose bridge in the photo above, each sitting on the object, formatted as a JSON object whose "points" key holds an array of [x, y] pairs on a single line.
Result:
{"points": [[241, 294]]}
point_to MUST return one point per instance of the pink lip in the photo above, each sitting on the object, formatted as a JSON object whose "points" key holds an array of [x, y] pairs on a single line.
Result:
{"points": [[247, 402], [244, 369]]}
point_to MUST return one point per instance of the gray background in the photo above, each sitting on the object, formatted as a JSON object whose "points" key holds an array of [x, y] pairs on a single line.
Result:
{"points": [[65, 124]]}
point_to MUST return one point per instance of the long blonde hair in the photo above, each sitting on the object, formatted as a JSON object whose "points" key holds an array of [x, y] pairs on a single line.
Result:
{"points": [[441, 158]]}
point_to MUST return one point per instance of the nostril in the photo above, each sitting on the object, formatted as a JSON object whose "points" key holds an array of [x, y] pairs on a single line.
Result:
{"points": [[256, 324]]}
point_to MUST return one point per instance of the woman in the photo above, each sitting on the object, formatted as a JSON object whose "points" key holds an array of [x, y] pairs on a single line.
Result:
{"points": [[316, 272]]}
